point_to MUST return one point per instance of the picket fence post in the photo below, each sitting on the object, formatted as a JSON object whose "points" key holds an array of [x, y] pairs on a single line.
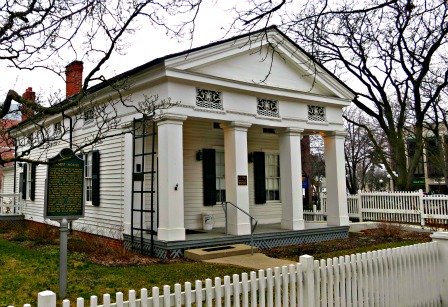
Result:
{"points": [[422, 210], [307, 262], [46, 299], [358, 199], [442, 243]]}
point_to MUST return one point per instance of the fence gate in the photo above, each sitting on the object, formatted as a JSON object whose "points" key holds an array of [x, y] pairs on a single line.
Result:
{"points": [[144, 204]]}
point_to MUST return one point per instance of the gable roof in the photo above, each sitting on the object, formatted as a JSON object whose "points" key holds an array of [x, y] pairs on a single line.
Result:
{"points": [[162, 60]]}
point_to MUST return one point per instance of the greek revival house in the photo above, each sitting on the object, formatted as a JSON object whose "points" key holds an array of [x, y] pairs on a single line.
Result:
{"points": [[227, 148]]}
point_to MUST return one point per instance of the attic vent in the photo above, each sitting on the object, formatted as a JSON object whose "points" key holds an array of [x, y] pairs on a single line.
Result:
{"points": [[209, 99], [267, 107], [316, 113]]}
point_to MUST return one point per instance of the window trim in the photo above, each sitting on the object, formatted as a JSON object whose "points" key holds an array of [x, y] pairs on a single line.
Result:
{"points": [[267, 177], [87, 178]]}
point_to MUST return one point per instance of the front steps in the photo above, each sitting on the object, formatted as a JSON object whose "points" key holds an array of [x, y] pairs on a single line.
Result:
{"points": [[207, 253]]}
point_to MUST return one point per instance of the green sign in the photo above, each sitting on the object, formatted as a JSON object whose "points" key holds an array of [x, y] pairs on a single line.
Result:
{"points": [[65, 187], [418, 181]]}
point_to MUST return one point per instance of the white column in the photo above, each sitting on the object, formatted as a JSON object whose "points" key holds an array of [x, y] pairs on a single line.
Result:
{"points": [[337, 212], [235, 152], [128, 170], [171, 178], [291, 180]]}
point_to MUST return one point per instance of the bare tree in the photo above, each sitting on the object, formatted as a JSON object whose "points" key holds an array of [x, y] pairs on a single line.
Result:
{"points": [[392, 52], [40, 34]]}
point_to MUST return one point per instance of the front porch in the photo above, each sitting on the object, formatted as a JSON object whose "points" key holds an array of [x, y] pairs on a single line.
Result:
{"points": [[10, 207], [265, 236]]}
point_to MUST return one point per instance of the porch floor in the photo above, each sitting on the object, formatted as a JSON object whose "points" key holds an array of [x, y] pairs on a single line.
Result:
{"points": [[265, 236]]}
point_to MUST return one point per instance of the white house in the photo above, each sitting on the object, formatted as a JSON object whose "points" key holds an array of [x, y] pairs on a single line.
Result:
{"points": [[234, 136]]}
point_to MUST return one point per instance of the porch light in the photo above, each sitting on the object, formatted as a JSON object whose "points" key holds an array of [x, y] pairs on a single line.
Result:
{"points": [[199, 155]]}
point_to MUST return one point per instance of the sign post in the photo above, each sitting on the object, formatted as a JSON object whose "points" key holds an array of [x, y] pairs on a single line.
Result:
{"points": [[64, 201]]}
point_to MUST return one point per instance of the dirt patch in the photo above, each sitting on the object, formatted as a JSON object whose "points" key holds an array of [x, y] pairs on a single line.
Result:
{"points": [[386, 235]]}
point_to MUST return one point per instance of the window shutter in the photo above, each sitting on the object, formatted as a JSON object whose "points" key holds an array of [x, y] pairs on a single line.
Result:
{"points": [[95, 178], [24, 177], [259, 178], [209, 176], [33, 181]]}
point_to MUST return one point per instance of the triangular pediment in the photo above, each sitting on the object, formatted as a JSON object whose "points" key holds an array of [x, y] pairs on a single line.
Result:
{"points": [[268, 60]]}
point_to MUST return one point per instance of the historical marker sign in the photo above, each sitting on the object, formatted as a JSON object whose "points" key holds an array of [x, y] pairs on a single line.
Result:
{"points": [[65, 187]]}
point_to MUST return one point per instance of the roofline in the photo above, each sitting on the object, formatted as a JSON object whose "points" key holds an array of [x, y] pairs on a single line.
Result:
{"points": [[161, 60]]}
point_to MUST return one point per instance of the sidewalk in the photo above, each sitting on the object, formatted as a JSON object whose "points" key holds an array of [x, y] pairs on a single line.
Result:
{"points": [[256, 261]]}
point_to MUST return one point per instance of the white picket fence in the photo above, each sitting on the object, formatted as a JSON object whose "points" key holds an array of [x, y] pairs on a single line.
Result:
{"points": [[406, 207], [10, 204], [406, 276]]}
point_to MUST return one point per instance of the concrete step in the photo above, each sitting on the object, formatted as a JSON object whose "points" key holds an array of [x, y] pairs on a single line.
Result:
{"points": [[214, 252]]}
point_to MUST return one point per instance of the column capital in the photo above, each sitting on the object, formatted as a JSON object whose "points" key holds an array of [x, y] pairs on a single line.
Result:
{"points": [[291, 131], [236, 125], [341, 134], [168, 117]]}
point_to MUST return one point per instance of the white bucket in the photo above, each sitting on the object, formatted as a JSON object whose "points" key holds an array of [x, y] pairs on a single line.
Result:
{"points": [[207, 221]]}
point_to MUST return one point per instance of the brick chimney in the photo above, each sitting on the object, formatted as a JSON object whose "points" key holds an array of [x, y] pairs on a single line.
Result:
{"points": [[73, 78], [30, 96]]}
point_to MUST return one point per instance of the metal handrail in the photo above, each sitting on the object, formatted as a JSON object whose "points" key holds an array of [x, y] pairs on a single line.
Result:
{"points": [[252, 226]]}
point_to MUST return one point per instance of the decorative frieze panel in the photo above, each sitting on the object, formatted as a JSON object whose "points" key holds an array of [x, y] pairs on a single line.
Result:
{"points": [[267, 107], [209, 99], [316, 113]]}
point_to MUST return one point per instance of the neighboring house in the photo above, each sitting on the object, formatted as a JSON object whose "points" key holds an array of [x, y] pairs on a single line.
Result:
{"points": [[7, 152], [430, 173], [234, 136]]}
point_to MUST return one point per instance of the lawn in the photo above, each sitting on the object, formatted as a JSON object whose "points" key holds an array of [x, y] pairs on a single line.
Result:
{"points": [[29, 258], [29, 264]]}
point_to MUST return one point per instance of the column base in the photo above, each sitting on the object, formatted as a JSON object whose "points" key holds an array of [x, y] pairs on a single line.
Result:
{"points": [[239, 229], [338, 220], [171, 234], [298, 224]]}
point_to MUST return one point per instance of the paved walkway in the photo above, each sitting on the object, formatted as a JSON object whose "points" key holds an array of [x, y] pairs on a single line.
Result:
{"points": [[256, 261]]}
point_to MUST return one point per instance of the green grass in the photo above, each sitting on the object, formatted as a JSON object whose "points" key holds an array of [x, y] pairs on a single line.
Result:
{"points": [[25, 272]]}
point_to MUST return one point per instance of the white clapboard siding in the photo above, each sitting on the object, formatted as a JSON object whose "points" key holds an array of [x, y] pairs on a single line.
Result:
{"points": [[404, 276], [8, 180], [106, 219], [193, 192]]}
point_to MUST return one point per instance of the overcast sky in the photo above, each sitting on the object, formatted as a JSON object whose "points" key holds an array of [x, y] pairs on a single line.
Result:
{"points": [[145, 45]]}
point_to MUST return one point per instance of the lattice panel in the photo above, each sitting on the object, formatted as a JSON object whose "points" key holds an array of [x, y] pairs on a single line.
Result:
{"points": [[209, 99], [267, 107], [266, 244], [316, 113]]}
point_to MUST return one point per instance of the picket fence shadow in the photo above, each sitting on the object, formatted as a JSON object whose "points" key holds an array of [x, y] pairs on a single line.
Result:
{"points": [[404, 276]]}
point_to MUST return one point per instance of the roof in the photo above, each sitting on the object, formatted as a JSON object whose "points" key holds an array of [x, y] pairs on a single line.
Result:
{"points": [[161, 60]]}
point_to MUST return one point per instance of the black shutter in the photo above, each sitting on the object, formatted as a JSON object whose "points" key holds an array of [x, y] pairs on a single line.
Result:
{"points": [[209, 176], [33, 181], [25, 174], [259, 178], [95, 178]]}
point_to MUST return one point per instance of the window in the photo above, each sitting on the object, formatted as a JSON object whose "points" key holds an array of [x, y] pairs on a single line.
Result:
{"points": [[28, 181], [267, 107], [209, 99], [88, 176], [272, 173], [92, 177], [316, 114], [88, 116], [220, 177], [266, 177]]}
